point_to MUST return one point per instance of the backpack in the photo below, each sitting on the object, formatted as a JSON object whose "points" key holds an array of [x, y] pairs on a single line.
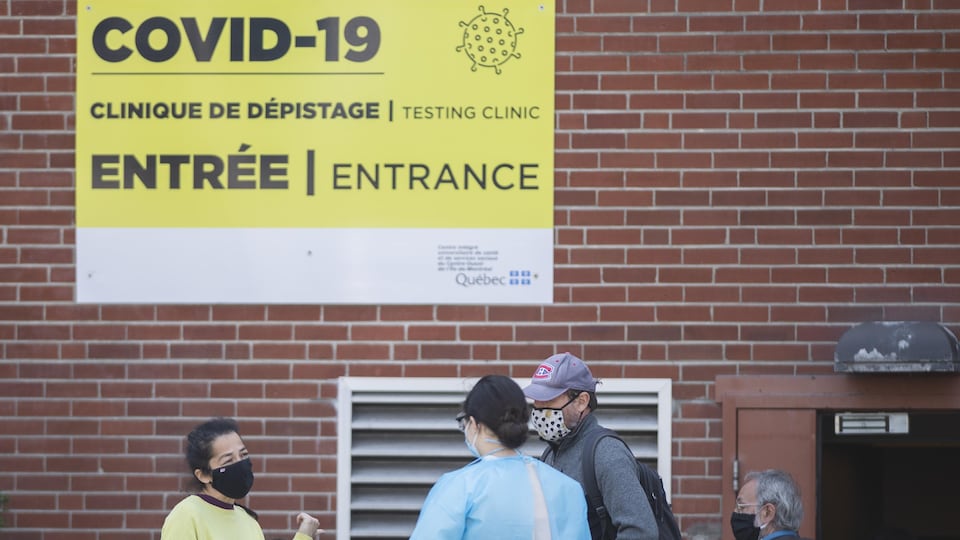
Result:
{"points": [[649, 479]]}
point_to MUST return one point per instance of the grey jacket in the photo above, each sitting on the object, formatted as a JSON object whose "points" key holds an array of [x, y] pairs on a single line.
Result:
{"points": [[616, 469]]}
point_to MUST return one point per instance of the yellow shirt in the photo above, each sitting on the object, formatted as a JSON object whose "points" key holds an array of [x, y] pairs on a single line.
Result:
{"points": [[194, 518]]}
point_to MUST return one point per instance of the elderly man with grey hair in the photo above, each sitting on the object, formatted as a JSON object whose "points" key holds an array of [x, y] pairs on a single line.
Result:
{"points": [[768, 507]]}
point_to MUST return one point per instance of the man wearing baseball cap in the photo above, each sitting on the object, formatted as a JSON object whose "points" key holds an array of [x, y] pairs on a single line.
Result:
{"points": [[564, 395]]}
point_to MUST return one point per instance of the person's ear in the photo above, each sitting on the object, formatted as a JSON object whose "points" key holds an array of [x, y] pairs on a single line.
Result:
{"points": [[767, 513], [583, 399], [203, 477]]}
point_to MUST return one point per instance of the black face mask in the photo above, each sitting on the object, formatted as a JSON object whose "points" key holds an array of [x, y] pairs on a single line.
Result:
{"points": [[743, 528], [234, 480]]}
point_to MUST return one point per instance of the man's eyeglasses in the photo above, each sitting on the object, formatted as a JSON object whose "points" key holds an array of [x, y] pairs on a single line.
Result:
{"points": [[462, 421], [742, 506]]}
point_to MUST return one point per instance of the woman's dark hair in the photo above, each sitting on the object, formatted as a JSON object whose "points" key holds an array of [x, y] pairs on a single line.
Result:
{"points": [[498, 403], [198, 449]]}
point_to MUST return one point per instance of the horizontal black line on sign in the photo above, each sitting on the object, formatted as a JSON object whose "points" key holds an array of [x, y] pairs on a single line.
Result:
{"points": [[259, 73]]}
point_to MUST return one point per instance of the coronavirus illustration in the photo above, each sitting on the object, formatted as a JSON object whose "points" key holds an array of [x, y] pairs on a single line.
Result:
{"points": [[490, 39]]}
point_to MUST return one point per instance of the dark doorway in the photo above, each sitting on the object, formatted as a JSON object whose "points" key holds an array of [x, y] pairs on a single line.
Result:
{"points": [[918, 476], [890, 486]]}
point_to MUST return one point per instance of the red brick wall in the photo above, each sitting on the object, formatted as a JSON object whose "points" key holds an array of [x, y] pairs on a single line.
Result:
{"points": [[738, 182]]}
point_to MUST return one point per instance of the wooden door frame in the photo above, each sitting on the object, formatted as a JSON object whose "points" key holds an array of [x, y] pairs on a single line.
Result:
{"points": [[888, 391]]}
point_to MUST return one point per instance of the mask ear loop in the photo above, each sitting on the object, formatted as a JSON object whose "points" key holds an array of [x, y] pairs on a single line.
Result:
{"points": [[560, 408], [759, 510], [476, 436], [497, 442], [580, 416]]}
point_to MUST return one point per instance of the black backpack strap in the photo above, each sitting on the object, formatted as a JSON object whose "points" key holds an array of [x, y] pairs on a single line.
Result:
{"points": [[649, 480], [590, 488]]}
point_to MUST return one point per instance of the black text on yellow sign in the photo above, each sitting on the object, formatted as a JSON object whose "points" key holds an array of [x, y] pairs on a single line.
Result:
{"points": [[247, 38], [242, 171], [355, 115]]}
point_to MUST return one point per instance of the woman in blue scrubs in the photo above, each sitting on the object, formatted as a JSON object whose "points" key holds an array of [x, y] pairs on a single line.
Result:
{"points": [[502, 494]]}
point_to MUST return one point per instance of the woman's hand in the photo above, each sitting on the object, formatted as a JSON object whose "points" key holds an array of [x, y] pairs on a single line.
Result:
{"points": [[308, 524]]}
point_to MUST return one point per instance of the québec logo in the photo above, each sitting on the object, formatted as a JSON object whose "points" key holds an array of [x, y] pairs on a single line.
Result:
{"points": [[518, 278]]}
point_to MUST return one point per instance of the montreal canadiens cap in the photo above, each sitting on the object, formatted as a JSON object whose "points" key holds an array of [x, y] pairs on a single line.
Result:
{"points": [[556, 375]]}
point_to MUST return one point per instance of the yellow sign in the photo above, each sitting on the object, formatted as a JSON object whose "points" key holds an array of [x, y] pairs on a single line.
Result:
{"points": [[315, 114]]}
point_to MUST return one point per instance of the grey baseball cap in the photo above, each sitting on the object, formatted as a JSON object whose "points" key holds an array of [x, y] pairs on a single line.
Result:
{"points": [[556, 375]]}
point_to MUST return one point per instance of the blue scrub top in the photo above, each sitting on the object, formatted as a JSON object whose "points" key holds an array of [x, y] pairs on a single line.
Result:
{"points": [[492, 498]]}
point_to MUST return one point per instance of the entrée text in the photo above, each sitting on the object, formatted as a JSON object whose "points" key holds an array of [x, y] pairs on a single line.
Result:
{"points": [[271, 171]]}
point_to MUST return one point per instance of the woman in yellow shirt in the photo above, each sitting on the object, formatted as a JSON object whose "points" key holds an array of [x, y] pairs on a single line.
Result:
{"points": [[221, 466]]}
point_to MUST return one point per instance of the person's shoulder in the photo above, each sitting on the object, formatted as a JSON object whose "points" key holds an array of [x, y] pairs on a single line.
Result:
{"points": [[546, 471], [559, 484], [613, 456], [186, 509], [188, 503], [611, 443], [462, 474]]}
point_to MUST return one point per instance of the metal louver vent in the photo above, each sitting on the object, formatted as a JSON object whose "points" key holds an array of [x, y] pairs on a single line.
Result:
{"points": [[396, 436]]}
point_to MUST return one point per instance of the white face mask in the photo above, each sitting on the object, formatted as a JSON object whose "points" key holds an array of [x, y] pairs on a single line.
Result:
{"points": [[549, 422]]}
